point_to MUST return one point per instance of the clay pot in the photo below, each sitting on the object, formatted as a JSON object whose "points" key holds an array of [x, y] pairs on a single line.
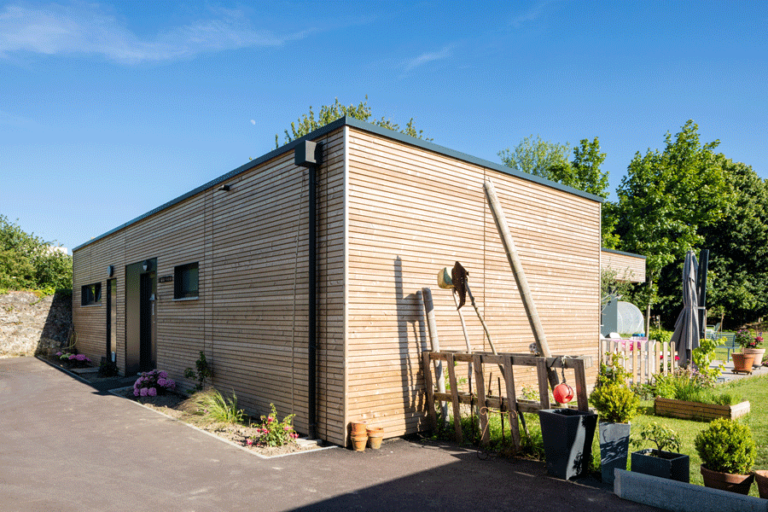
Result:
{"points": [[358, 428], [374, 441], [742, 362], [358, 442], [374, 431], [758, 353], [727, 481], [761, 477]]}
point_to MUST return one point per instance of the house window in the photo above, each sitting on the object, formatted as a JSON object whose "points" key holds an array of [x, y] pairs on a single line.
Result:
{"points": [[185, 279], [90, 294]]}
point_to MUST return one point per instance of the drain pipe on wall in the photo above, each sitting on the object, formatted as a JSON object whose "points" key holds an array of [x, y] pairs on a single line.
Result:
{"points": [[309, 154]]}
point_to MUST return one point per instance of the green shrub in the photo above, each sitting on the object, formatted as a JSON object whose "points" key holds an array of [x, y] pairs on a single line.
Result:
{"points": [[273, 432], [660, 335], [726, 446], [204, 372], [214, 407], [663, 437], [615, 403]]}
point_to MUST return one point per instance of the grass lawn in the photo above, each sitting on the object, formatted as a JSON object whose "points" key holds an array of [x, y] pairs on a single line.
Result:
{"points": [[754, 389]]}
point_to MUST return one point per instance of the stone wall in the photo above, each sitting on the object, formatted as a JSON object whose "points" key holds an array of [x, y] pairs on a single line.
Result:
{"points": [[30, 325]]}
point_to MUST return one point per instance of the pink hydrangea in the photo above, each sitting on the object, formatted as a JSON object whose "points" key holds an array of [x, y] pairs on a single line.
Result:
{"points": [[80, 357], [163, 375], [152, 392], [170, 383], [162, 382], [72, 356], [58, 353], [144, 391], [135, 392]]}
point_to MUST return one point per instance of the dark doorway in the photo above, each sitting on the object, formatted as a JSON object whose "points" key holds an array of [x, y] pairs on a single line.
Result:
{"points": [[111, 320], [140, 314]]}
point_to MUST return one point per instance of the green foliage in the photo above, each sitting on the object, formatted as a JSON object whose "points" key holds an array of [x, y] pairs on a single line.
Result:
{"points": [[615, 403], [662, 436], [612, 399], [665, 201], [537, 157], [738, 265], [703, 356], [216, 408], [609, 284], [660, 335], [692, 386], [726, 446], [204, 372], [273, 432], [27, 262], [329, 113]]}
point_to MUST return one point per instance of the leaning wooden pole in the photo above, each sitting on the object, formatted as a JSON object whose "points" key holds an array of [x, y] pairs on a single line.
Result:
{"points": [[519, 273], [429, 309]]}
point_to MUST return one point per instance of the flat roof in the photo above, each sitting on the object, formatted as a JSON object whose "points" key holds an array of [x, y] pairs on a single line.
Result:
{"points": [[368, 127], [614, 251]]}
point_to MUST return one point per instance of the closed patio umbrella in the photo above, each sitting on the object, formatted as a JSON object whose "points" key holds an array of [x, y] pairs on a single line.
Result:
{"points": [[686, 335]]}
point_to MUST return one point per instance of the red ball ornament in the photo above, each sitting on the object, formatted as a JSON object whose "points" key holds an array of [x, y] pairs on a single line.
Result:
{"points": [[563, 393]]}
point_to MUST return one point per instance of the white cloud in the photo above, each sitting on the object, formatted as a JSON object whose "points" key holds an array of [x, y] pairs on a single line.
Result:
{"points": [[88, 29], [424, 58], [253, 121], [530, 14]]}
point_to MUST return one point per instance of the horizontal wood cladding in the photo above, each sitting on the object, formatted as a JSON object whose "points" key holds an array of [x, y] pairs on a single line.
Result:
{"points": [[251, 278], [627, 268], [412, 212]]}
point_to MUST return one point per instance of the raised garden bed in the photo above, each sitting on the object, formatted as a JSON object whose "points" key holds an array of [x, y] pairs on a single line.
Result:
{"points": [[697, 410]]}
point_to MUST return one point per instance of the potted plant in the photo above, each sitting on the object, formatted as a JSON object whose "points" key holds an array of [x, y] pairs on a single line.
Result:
{"points": [[664, 461], [567, 437], [753, 347], [742, 361], [727, 453], [616, 404]]}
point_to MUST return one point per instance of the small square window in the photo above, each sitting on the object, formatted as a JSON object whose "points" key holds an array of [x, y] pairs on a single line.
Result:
{"points": [[185, 281], [90, 294]]}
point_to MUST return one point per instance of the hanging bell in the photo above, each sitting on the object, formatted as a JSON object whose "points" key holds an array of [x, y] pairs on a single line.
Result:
{"points": [[563, 393]]}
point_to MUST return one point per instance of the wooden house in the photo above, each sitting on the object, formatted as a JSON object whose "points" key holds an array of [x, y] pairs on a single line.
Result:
{"points": [[224, 269]]}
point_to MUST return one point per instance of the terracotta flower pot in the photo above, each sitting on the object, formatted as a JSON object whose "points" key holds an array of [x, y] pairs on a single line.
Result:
{"points": [[727, 481], [742, 362], [359, 442], [761, 477], [374, 440], [374, 430], [359, 428], [758, 353]]}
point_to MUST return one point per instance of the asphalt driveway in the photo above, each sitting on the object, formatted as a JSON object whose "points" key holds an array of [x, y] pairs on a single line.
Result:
{"points": [[65, 446]]}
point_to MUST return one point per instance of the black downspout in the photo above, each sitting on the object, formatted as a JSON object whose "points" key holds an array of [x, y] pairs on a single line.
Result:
{"points": [[312, 353], [702, 291], [309, 154]]}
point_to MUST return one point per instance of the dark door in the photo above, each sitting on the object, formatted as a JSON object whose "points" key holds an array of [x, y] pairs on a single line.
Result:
{"points": [[147, 349], [111, 319], [140, 314]]}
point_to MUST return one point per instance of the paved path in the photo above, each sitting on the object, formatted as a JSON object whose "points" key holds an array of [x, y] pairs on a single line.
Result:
{"points": [[65, 446]]}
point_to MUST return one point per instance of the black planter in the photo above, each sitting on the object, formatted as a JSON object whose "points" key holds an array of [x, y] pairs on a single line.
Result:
{"points": [[674, 466], [614, 448], [567, 436]]}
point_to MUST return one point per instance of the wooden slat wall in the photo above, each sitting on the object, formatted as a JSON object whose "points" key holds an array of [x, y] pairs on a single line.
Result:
{"points": [[627, 268], [245, 243], [412, 212]]}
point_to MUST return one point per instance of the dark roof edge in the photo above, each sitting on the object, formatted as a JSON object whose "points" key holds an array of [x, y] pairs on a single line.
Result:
{"points": [[361, 125], [391, 134], [231, 174], [614, 251]]}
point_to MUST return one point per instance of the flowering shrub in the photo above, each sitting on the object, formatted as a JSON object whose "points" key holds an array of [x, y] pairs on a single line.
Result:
{"points": [[273, 432], [74, 360], [153, 383]]}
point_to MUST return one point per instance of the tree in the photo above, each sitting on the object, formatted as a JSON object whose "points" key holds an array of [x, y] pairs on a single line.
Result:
{"points": [[537, 157], [329, 113], [666, 200], [27, 262], [738, 244], [550, 160]]}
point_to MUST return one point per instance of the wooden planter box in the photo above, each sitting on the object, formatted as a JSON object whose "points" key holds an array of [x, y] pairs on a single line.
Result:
{"points": [[697, 410]]}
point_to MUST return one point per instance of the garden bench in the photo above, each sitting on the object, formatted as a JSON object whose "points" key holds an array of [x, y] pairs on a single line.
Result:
{"points": [[730, 344]]}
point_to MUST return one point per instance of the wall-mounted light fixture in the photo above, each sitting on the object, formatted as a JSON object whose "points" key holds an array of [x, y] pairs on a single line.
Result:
{"points": [[110, 271], [147, 265], [225, 188]]}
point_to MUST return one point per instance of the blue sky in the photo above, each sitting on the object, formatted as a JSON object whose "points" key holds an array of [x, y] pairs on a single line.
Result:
{"points": [[108, 110]]}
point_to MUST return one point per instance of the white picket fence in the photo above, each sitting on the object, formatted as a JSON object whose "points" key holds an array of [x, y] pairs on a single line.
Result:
{"points": [[642, 359]]}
